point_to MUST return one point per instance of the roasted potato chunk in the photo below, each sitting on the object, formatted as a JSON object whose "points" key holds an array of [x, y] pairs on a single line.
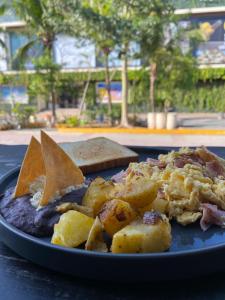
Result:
{"points": [[139, 192], [152, 234], [158, 204], [95, 241], [72, 229], [115, 214], [97, 194]]}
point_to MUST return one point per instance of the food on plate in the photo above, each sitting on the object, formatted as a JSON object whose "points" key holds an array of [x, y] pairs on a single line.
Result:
{"points": [[139, 191], [64, 207], [32, 167], [150, 234], [129, 212], [47, 181], [35, 221], [95, 241], [97, 194], [115, 214], [99, 154], [72, 229], [69, 176]]}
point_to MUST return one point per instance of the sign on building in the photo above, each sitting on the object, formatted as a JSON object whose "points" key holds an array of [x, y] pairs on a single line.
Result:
{"points": [[115, 91], [212, 49]]}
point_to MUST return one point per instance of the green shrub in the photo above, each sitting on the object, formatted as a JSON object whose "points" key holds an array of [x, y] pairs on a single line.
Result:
{"points": [[22, 113], [72, 121]]}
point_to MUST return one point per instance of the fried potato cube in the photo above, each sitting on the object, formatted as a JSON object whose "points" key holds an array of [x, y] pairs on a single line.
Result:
{"points": [[139, 192], [140, 237], [115, 214], [97, 194], [95, 241], [160, 205], [72, 229]]}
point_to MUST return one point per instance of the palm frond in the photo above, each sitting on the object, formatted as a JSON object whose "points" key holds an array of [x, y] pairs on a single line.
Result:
{"points": [[21, 54], [3, 9], [29, 10]]}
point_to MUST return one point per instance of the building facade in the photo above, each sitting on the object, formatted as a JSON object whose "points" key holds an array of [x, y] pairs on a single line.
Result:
{"points": [[73, 55]]}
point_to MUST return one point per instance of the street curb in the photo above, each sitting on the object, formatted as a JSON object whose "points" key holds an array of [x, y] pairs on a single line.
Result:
{"points": [[141, 130]]}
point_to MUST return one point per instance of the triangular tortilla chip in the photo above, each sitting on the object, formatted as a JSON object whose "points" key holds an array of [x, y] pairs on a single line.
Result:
{"points": [[61, 171], [32, 167]]}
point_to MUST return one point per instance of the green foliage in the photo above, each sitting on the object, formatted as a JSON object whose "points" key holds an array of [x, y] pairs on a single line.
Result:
{"points": [[207, 94], [22, 113], [90, 115], [46, 80], [175, 71], [208, 98], [72, 121]]}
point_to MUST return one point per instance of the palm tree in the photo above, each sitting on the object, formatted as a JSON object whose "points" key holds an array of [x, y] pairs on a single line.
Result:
{"points": [[152, 19], [89, 20], [38, 27]]}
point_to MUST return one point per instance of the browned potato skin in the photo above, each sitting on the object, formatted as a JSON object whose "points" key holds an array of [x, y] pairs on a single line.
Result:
{"points": [[115, 214], [97, 194]]}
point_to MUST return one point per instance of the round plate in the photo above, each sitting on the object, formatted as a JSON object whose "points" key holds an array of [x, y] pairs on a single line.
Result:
{"points": [[193, 252]]}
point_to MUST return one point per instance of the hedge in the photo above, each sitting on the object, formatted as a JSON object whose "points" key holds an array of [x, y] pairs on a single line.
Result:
{"points": [[206, 74], [208, 95]]}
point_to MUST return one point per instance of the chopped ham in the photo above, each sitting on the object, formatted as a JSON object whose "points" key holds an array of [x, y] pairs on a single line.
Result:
{"points": [[188, 158], [156, 163], [215, 168], [151, 217], [211, 215], [119, 177]]}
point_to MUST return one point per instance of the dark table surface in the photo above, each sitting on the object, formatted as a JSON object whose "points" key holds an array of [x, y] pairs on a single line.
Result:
{"points": [[21, 279]]}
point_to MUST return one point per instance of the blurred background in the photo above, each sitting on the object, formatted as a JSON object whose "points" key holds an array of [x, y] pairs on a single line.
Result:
{"points": [[155, 65]]}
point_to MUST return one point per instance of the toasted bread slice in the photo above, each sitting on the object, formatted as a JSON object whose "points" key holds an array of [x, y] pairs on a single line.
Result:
{"points": [[99, 154]]}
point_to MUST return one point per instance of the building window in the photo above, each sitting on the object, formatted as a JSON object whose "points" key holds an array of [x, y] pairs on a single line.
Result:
{"points": [[18, 40]]}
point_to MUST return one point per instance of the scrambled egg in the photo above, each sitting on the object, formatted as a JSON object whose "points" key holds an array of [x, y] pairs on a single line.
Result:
{"points": [[180, 190]]}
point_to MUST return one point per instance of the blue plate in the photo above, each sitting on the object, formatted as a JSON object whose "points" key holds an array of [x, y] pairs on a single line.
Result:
{"points": [[192, 253]]}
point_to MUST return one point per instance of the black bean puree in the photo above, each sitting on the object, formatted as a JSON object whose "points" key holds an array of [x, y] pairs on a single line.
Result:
{"points": [[20, 213]]}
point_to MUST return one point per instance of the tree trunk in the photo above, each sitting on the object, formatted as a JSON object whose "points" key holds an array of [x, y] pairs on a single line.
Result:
{"points": [[124, 107], [108, 88], [152, 86], [84, 95], [48, 44], [152, 78], [54, 118]]}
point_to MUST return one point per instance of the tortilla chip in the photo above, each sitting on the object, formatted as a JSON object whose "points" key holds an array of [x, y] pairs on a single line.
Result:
{"points": [[32, 167], [61, 171]]}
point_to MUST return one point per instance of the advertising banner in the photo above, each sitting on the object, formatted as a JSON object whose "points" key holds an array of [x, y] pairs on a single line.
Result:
{"points": [[115, 91], [212, 49]]}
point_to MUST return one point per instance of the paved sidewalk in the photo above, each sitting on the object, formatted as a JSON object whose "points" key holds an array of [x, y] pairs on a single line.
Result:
{"points": [[13, 137]]}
